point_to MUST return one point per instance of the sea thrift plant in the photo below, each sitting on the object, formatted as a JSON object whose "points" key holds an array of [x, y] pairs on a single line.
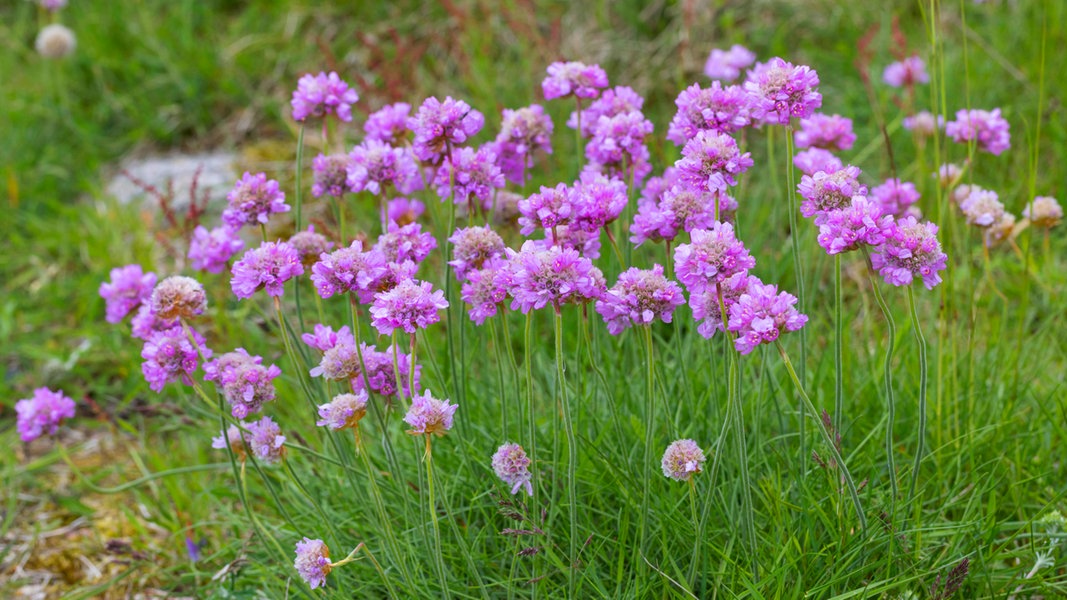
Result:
{"points": [[573, 78], [170, 355], [999, 232], [896, 197], [982, 207], [523, 132], [911, 250], [715, 108], [245, 383], [828, 191], [512, 466], [253, 200], [639, 298], [266, 441], [128, 288], [616, 101], [988, 129], [1044, 212], [212, 250], [780, 91], [587, 243], [312, 562], [403, 211], [948, 175], [761, 314], [389, 124], [267, 267], [405, 242], [597, 201], [682, 460], [711, 161], [146, 322], [391, 276], [375, 167], [429, 416], [330, 175], [619, 141], [555, 275], [344, 411], [713, 256], [813, 160], [832, 132], [728, 64], [906, 73], [310, 245], [439, 125], [322, 95], [924, 123], [380, 375], [324, 337], [178, 297], [485, 289], [472, 247], [410, 306], [348, 270], [55, 41], [861, 223], [469, 175], [707, 308], [235, 439], [546, 209], [42, 413]]}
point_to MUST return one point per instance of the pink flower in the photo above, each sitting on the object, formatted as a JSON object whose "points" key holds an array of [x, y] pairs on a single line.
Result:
{"points": [[322, 95], [908, 72], [579, 79], [761, 314], [639, 298], [411, 305]]}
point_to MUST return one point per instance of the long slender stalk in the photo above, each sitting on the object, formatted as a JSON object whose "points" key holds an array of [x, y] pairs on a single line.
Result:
{"points": [[383, 515], [839, 360], [650, 432], [439, 559], [738, 418], [887, 376], [826, 437], [921, 341], [502, 390], [572, 457], [794, 237], [299, 191], [531, 421]]}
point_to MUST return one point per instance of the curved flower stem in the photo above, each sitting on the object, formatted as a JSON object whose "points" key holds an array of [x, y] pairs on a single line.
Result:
{"points": [[615, 247], [699, 537], [531, 422], [572, 456], [500, 378], [650, 432], [921, 341], [826, 437], [243, 492], [839, 360], [379, 504], [299, 175], [311, 500], [890, 402], [794, 236], [396, 371], [439, 559], [706, 510], [387, 445]]}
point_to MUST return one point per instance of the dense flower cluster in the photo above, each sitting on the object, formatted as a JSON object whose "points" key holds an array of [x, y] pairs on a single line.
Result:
{"points": [[714, 108], [146, 322], [42, 413], [832, 132], [265, 440], [828, 191], [428, 415], [523, 131], [713, 256], [682, 460], [597, 200], [405, 242], [896, 197], [411, 305], [619, 141], [330, 174], [727, 64], [781, 91], [267, 267], [324, 337], [348, 270], [321, 95], [485, 289], [813, 160], [178, 297], [1044, 212], [554, 275], [639, 298], [472, 247], [468, 175], [310, 245], [440, 125], [863, 222], [706, 307], [252, 201], [546, 209], [761, 314], [911, 250], [906, 73], [711, 161], [982, 207], [312, 561], [579, 79], [986, 128], [344, 411], [388, 124], [618, 100], [380, 374], [377, 167], [211, 251], [245, 383], [513, 467], [170, 355], [128, 288]]}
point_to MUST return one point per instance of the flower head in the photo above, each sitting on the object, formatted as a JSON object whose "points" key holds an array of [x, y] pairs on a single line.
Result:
{"points": [[828, 191], [405, 242], [1044, 212], [411, 305], [587, 243], [707, 309], [924, 123], [682, 460], [948, 175], [472, 247], [344, 411], [267, 267], [761, 314], [323, 338], [265, 440], [469, 174], [42, 413], [330, 175], [234, 438], [178, 297], [52, 5], [619, 141], [513, 466], [321, 95], [388, 124], [832, 132], [579, 79], [982, 207], [908, 72], [169, 355], [310, 245], [986, 128], [546, 209], [439, 125], [128, 288], [380, 375], [813, 160], [429, 415], [391, 276], [252, 201], [245, 383], [711, 161], [146, 322], [715, 108], [348, 270], [557, 276], [615, 101], [895, 196], [911, 249], [403, 210], [714, 255], [999, 232], [781, 91], [639, 298], [863, 222], [55, 41], [727, 64], [312, 561], [597, 200], [523, 131], [486, 288], [376, 166], [211, 251]]}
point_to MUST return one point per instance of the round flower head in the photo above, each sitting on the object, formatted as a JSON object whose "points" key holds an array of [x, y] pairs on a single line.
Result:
{"points": [[322, 95], [711, 160], [468, 175], [636, 165], [388, 124], [340, 362], [330, 175], [639, 297], [253, 200], [312, 561], [781, 91], [411, 305], [579, 79], [910, 250], [42, 413], [924, 123], [391, 276], [348, 270], [170, 356], [832, 132], [522, 132], [407, 242], [813, 160], [999, 232], [439, 125], [376, 166], [546, 209], [908, 72], [706, 308], [178, 297], [403, 210], [380, 375], [895, 196], [506, 208], [267, 267], [682, 460], [245, 383], [597, 200], [863, 222], [948, 175], [555, 275], [587, 243], [619, 141], [727, 64], [55, 41], [513, 467], [234, 438], [686, 208], [1044, 212], [982, 207], [325, 337], [828, 191], [761, 314], [485, 289], [651, 223], [715, 108], [211, 251], [344, 411], [987, 129], [616, 101], [472, 247], [310, 245], [266, 441], [429, 415], [714, 255], [128, 288], [145, 323]]}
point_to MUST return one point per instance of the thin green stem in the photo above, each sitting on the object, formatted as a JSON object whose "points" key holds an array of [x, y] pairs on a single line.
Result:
{"points": [[502, 390], [383, 515], [299, 176], [698, 537], [650, 433], [794, 236], [839, 358], [920, 340], [572, 456], [887, 376], [439, 559]]}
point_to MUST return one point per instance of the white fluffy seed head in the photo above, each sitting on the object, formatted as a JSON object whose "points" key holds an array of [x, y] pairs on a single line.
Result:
{"points": [[55, 41]]}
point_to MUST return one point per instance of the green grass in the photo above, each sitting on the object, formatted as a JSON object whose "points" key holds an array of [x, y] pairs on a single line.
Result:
{"points": [[188, 74]]}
